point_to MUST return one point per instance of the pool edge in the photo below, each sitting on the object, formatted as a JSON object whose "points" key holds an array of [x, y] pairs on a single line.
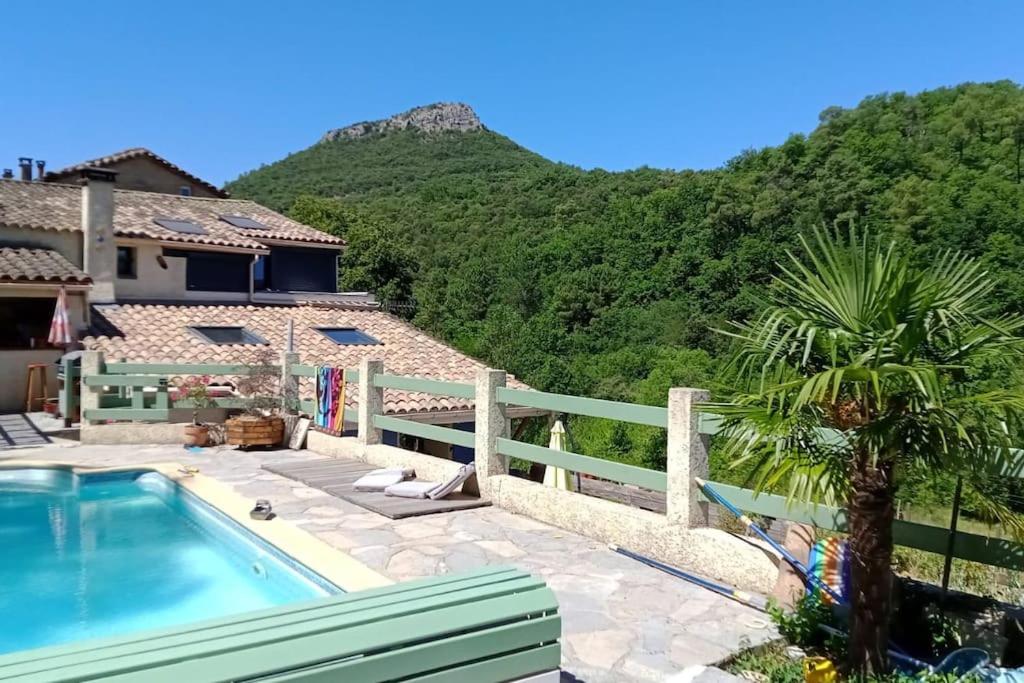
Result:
{"points": [[318, 556]]}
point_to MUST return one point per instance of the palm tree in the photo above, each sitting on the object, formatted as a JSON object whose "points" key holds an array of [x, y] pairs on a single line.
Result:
{"points": [[860, 367]]}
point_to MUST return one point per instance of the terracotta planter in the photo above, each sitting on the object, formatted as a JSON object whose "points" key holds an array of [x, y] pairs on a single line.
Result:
{"points": [[197, 435], [248, 430]]}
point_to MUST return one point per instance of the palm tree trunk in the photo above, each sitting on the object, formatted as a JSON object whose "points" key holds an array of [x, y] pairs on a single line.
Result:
{"points": [[871, 510]]}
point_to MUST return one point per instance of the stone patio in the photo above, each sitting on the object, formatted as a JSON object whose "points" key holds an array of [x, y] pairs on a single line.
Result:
{"points": [[622, 621]]}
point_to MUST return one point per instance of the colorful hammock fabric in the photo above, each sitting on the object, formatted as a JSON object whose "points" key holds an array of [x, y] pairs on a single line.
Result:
{"points": [[330, 399], [829, 560]]}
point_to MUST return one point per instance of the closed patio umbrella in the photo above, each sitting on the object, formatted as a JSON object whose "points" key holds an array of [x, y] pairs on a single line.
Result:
{"points": [[556, 476], [60, 326]]}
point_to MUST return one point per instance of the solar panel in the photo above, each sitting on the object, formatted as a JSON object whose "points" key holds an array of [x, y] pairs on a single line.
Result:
{"points": [[228, 335], [178, 225], [344, 336], [243, 222]]}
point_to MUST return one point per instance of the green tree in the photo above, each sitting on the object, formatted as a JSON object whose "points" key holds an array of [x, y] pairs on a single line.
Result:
{"points": [[375, 260], [323, 213], [859, 368]]}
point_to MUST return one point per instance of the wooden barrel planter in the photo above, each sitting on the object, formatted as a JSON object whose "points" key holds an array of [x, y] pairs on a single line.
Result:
{"points": [[248, 430]]}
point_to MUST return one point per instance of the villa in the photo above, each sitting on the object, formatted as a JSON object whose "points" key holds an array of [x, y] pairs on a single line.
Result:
{"points": [[165, 275], [161, 266]]}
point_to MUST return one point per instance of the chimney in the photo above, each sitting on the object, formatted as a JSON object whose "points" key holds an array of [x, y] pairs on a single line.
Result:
{"points": [[40, 169], [8, 174], [25, 163], [98, 248]]}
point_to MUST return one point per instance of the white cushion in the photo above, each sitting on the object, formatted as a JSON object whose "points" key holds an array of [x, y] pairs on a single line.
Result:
{"points": [[411, 489], [442, 490], [378, 480]]}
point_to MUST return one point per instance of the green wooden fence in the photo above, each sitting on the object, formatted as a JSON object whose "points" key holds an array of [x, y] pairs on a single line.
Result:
{"points": [[142, 390], [155, 406], [653, 416], [425, 431]]}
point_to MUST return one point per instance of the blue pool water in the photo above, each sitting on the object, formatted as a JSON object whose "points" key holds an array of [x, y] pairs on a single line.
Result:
{"points": [[102, 554]]}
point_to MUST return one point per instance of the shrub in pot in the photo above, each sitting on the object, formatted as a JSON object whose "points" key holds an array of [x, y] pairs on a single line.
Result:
{"points": [[196, 391], [261, 424]]}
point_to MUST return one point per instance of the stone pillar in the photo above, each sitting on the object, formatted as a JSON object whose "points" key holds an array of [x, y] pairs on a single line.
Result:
{"points": [[491, 423], [687, 457], [371, 401], [289, 383], [92, 364]]}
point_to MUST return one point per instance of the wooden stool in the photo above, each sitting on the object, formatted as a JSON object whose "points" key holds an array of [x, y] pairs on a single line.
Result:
{"points": [[36, 371]]}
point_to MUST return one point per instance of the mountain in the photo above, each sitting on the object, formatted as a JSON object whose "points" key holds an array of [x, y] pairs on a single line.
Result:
{"points": [[610, 284], [430, 146]]}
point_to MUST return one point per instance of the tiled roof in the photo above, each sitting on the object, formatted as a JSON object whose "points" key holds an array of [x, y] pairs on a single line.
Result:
{"points": [[38, 265], [133, 153], [158, 334], [52, 206]]}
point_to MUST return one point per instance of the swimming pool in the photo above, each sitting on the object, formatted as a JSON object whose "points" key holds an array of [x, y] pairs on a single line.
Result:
{"points": [[85, 555]]}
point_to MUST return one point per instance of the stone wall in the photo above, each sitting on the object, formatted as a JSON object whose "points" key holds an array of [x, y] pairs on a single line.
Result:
{"points": [[702, 550]]}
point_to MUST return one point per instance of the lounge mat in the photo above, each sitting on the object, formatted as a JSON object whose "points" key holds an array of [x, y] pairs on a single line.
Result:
{"points": [[336, 476]]}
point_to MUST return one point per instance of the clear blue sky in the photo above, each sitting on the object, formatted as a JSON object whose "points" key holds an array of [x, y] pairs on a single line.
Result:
{"points": [[220, 87]]}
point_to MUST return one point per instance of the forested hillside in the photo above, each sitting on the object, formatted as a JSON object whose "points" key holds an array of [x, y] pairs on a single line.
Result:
{"points": [[609, 284]]}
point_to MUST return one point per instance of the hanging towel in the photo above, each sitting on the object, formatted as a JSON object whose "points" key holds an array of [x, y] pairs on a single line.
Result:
{"points": [[339, 412], [316, 396]]}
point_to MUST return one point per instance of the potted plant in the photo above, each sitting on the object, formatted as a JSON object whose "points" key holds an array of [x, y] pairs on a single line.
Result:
{"points": [[260, 424], [196, 391]]}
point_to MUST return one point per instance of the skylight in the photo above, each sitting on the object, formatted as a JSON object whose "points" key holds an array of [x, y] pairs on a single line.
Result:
{"points": [[227, 335], [178, 225], [347, 336], [243, 222]]}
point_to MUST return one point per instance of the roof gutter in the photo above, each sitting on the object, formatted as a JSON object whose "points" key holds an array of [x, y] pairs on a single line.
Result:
{"points": [[35, 284], [299, 243], [192, 246]]}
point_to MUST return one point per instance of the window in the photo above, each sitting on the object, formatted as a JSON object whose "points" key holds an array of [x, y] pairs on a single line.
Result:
{"points": [[227, 335], [185, 190], [259, 273], [343, 336], [211, 271], [243, 222], [297, 269], [126, 262], [178, 225]]}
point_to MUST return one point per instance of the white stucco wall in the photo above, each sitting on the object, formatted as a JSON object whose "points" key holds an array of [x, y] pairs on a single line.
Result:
{"points": [[67, 244], [152, 281]]}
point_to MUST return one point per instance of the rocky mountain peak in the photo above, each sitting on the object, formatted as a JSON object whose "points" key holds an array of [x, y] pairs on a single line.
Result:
{"points": [[432, 118]]}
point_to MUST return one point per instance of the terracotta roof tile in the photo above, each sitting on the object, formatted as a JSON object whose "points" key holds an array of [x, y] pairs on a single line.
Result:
{"points": [[159, 334], [38, 265], [51, 206], [132, 153]]}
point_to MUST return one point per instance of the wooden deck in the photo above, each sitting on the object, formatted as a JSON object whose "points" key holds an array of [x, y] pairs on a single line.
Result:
{"points": [[336, 476]]}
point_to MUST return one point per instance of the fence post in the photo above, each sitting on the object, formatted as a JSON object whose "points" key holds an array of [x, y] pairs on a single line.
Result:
{"points": [[371, 401], [92, 364], [491, 423], [687, 457], [289, 384], [67, 393]]}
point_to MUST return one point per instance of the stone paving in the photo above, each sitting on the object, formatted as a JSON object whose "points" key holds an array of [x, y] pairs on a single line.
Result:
{"points": [[622, 621]]}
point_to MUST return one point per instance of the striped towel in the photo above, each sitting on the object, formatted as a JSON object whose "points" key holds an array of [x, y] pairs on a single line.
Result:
{"points": [[829, 560]]}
